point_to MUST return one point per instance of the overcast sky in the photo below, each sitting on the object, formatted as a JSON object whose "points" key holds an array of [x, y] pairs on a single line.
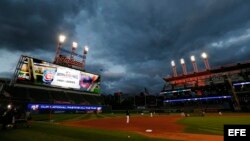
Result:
{"points": [[131, 42]]}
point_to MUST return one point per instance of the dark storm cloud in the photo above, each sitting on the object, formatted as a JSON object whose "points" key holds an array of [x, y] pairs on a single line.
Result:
{"points": [[144, 36], [28, 25], [148, 30], [132, 42]]}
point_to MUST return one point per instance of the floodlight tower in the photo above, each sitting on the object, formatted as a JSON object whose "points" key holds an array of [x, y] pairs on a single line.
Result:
{"points": [[174, 68], [184, 69], [59, 46], [73, 49], [194, 63], [204, 56], [85, 52]]}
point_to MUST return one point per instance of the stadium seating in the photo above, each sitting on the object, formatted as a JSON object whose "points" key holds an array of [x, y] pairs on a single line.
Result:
{"points": [[27, 95], [18, 94], [40, 96], [78, 99], [92, 99], [60, 97]]}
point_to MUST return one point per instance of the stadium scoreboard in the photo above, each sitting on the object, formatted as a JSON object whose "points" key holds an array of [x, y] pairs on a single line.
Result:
{"points": [[42, 73]]}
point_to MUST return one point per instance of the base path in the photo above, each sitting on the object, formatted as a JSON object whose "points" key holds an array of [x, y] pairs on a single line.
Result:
{"points": [[163, 126]]}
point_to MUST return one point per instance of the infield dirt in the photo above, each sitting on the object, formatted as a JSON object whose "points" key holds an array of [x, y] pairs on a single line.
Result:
{"points": [[163, 126]]}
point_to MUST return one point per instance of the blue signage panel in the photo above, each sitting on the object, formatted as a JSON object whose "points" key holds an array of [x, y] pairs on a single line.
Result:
{"points": [[62, 107]]}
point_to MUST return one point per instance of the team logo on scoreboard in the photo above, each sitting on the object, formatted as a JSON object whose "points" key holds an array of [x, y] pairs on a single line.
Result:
{"points": [[48, 76]]}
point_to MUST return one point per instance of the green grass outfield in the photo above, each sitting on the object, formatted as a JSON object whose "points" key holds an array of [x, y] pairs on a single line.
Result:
{"points": [[212, 124], [46, 131], [52, 132]]}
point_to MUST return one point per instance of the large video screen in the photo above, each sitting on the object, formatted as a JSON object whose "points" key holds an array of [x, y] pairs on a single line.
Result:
{"points": [[39, 72]]}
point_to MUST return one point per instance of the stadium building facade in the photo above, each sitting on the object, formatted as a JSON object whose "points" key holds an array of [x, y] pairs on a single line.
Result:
{"points": [[222, 88]]}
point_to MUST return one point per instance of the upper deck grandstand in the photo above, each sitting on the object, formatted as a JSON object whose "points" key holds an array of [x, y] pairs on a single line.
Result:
{"points": [[223, 88]]}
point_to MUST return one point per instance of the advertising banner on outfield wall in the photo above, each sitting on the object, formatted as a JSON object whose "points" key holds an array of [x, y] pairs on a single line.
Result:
{"points": [[39, 72]]}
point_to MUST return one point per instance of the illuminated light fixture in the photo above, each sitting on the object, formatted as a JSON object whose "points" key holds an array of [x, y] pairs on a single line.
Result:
{"points": [[182, 61], [184, 69], [192, 58], [62, 38], [194, 63], [202, 98], [9, 106], [74, 44], [172, 63], [204, 55], [242, 83], [174, 68], [86, 49], [176, 91]]}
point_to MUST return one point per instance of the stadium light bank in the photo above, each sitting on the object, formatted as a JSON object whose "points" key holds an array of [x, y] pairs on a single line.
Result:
{"points": [[193, 60], [73, 53]]}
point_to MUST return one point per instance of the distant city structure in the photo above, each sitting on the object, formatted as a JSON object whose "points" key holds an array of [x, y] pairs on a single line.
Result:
{"points": [[136, 101]]}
